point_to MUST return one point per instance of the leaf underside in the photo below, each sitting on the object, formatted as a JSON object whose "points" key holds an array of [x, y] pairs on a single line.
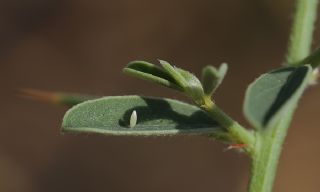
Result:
{"points": [[275, 94], [111, 116], [150, 72]]}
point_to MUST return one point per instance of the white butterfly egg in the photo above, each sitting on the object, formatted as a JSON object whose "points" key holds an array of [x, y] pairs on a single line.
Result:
{"points": [[133, 119]]}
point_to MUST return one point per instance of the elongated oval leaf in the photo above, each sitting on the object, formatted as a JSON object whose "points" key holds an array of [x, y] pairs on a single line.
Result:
{"points": [[274, 94], [111, 116], [173, 72], [193, 87], [150, 72], [212, 78]]}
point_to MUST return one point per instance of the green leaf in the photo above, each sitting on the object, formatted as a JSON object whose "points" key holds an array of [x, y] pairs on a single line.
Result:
{"points": [[151, 72], [169, 76], [222, 72], [174, 73], [191, 85], [212, 78], [194, 87], [111, 116], [275, 94]]}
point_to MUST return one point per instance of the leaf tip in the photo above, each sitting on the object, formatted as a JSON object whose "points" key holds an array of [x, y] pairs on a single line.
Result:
{"points": [[38, 95]]}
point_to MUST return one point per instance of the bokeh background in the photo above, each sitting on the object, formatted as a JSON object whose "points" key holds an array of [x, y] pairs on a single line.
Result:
{"points": [[81, 46]]}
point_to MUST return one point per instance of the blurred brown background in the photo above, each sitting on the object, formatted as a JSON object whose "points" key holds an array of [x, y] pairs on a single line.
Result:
{"points": [[81, 46]]}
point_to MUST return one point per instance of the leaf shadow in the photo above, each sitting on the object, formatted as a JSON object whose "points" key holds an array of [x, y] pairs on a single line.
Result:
{"points": [[293, 82], [161, 109]]}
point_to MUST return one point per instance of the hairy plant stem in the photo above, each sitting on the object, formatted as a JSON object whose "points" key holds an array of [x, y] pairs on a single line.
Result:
{"points": [[237, 133], [302, 31], [266, 157], [268, 142]]}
